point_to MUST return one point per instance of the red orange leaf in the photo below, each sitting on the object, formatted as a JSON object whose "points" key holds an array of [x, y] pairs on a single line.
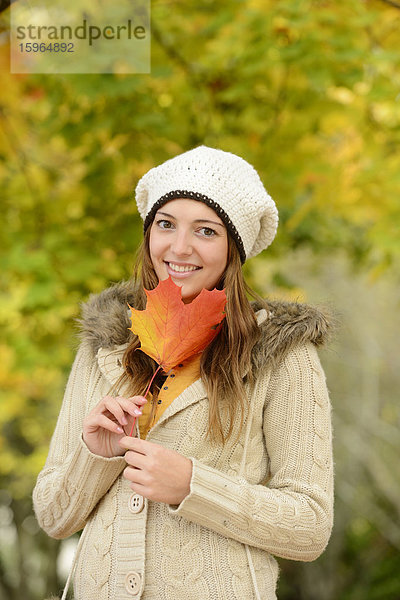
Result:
{"points": [[171, 331]]}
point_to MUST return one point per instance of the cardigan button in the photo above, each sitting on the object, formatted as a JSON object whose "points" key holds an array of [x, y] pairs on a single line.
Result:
{"points": [[132, 583], [136, 503]]}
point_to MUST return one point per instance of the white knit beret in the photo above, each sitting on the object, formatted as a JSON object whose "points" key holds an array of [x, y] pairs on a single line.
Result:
{"points": [[223, 181]]}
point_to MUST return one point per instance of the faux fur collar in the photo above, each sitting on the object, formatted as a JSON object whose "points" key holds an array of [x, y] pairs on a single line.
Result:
{"points": [[105, 322]]}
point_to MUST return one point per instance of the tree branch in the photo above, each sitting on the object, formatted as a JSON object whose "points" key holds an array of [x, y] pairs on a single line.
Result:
{"points": [[391, 3], [172, 52], [4, 4]]}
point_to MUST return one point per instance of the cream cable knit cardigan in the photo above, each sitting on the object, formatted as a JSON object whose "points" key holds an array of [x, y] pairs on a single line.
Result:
{"points": [[242, 510]]}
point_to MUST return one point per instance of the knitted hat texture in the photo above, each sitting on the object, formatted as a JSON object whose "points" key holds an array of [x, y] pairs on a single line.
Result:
{"points": [[223, 181]]}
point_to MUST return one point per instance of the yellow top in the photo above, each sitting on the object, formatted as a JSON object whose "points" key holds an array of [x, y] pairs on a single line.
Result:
{"points": [[179, 378]]}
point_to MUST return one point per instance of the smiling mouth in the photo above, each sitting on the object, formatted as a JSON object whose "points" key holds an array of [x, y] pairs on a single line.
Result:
{"points": [[182, 268]]}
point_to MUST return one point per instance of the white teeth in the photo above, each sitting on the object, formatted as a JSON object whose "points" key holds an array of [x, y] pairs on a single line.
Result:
{"points": [[181, 269]]}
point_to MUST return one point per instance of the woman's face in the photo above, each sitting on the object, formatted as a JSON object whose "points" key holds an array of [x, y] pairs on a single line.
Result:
{"points": [[189, 242]]}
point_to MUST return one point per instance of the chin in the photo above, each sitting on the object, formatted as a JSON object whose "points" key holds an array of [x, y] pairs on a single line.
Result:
{"points": [[189, 296]]}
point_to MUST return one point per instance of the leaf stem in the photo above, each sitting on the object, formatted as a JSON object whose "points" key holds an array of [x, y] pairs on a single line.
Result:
{"points": [[145, 394]]}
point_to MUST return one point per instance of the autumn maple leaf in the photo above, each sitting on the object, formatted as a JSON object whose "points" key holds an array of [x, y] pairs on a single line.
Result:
{"points": [[171, 331]]}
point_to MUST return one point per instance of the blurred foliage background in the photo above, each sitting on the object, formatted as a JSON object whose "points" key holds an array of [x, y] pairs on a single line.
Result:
{"points": [[308, 92]]}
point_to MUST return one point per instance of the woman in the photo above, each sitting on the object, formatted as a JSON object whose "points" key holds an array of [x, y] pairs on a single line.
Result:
{"points": [[231, 463]]}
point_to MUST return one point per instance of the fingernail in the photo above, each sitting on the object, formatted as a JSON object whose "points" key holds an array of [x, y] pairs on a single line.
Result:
{"points": [[124, 421], [137, 412], [120, 430]]}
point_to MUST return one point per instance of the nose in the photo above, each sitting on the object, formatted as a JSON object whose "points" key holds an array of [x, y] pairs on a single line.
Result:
{"points": [[181, 243]]}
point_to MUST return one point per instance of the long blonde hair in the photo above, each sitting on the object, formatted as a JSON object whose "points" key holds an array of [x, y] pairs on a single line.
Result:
{"points": [[225, 360]]}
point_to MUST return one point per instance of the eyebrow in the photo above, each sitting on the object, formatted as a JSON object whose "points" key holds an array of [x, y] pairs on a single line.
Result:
{"points": [[195, 221]]}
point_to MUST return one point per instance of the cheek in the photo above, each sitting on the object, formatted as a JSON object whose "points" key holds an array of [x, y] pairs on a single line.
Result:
{"points": [[218, 260]]}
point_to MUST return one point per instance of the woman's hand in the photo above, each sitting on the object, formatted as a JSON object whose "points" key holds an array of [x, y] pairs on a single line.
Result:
{"points": [[107, 423], [155, 472]]}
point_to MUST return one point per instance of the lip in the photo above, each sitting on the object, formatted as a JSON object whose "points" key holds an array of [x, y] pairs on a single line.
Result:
{"points": [[181, 275]]}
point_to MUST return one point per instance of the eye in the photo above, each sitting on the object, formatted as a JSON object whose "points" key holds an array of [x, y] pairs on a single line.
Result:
{"points": [[208, 232], [164, 224]]}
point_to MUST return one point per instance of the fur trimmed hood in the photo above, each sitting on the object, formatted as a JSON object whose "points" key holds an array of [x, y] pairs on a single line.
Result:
{"points": [[105, 321]]}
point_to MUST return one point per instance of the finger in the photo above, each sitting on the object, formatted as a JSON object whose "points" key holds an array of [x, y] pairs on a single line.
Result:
{"points": [[136, 476], [136, 444], [128, 406], [126, 403], [136, 460], [140, 400], [105, 423], [114, 408], [100, 406], [118, 406]]}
